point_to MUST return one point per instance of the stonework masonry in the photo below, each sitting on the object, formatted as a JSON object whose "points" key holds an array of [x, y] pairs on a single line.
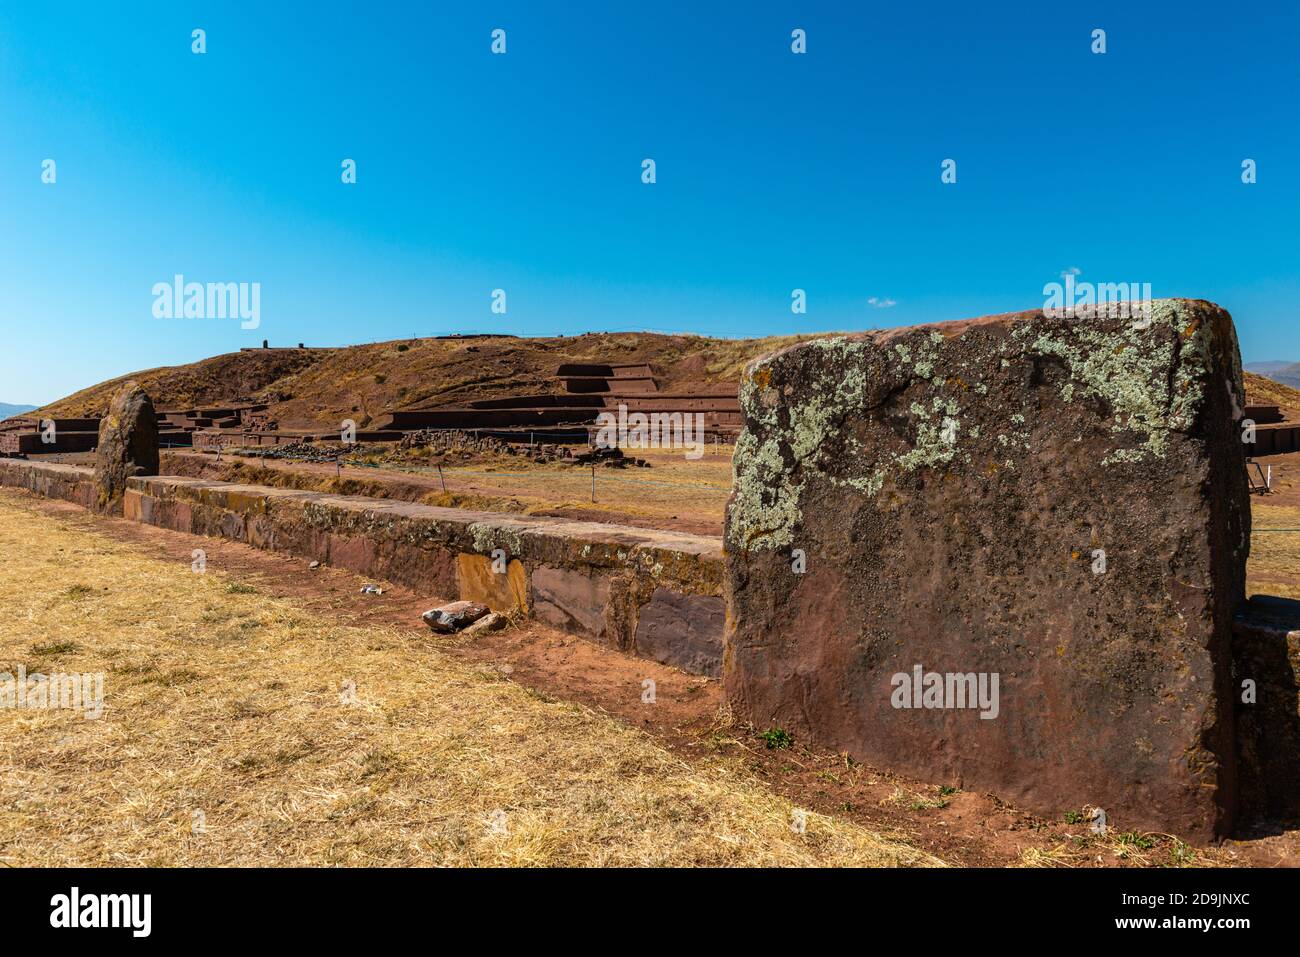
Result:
{"points": [[1052, 512], [619, 586], [1058, 503]]}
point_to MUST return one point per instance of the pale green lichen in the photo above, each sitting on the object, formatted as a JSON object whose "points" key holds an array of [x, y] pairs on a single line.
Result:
{"points": [[764, 505], [765, 508], [1129, 369], [1150, 389], [936, 435], [487, 537]]}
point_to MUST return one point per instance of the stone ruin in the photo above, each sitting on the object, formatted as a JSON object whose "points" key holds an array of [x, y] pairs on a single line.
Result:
{"points": [[128, 446], [586, 390], [1004, 554]]}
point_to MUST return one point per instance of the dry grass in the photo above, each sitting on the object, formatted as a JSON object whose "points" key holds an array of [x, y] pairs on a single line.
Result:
{"points": [[1131, 848], [1274, 565], [226, 740], [673, 488]]}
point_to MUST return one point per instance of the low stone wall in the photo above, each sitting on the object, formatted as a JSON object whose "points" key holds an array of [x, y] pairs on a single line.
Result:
{"points": [[1266, 673], [644, 592], [657, 595], [71, 483]]}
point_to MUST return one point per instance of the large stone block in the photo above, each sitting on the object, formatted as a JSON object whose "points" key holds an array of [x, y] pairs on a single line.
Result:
{"points": [[573, 599], [949, 492], [478, 580], [1266, 658], [685, 631], [128, 446]]}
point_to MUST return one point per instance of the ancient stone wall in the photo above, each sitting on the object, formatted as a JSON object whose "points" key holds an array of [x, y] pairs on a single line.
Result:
{"points": [[644, 592], [1003, 554]]}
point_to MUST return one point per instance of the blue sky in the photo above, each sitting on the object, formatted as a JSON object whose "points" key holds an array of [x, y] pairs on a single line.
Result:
{"points": [[775, 171]]}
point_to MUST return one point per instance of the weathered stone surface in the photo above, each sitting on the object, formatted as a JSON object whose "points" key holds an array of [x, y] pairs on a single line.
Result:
{"points": [[685, 631], [454, 616], [480, 581], [128, 446], [71, 483], [489, 622], [1266, 653], [437, 551], [950, 488], [572, 599]]}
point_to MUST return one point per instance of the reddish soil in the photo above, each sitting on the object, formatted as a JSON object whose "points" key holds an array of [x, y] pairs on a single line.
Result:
{"points": [[970, 829], [1285, 479]]}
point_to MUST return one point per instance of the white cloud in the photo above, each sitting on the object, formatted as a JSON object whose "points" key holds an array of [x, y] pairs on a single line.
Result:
{"points": [[881, 303]]}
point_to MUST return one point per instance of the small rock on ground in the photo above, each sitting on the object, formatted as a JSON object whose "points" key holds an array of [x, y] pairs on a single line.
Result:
{"points": [[454, 615]]}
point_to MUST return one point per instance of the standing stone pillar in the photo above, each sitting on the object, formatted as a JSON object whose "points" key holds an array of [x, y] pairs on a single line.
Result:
{"points": [[128, 446], [1003, 554]]}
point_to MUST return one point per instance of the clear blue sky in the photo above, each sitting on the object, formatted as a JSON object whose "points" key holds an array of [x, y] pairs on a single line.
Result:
{"points": [[523, 171]]}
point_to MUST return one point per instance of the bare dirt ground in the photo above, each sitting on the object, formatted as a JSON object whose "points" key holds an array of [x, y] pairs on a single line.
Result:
{"points": [[689, 719]]}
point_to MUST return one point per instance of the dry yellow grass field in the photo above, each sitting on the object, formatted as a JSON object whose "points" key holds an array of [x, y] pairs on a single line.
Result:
{"points": [[674, 487], [1274, 551], [239, 729]]}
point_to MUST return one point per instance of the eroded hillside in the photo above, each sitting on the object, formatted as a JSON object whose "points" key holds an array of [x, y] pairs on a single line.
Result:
{"points": [[312, 387]]}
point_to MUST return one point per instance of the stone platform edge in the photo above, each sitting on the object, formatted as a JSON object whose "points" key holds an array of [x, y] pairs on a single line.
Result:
{"points": [[653, 594]]}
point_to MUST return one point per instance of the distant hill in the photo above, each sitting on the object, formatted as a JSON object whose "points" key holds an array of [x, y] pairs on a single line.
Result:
{"points": [[1261, 390], [311, 388], [8, 408], [235, 375], [1288, 373]]}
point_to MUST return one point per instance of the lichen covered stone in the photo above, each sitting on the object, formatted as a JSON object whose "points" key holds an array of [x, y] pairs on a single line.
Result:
{"points": [[1061, 502], [128, 446]]}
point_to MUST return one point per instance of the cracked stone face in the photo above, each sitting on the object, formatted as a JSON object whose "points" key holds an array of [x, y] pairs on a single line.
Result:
{"points": [[1057, 501]]}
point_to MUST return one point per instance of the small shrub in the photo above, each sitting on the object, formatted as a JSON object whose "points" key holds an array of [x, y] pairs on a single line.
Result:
{"points": [[1134, 839], [777, 738]]}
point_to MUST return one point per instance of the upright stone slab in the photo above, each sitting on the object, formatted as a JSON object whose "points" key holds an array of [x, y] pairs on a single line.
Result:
{"points": [[128, 445], [1060, 503]]}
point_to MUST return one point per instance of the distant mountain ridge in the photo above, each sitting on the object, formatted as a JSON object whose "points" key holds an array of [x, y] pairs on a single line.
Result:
{"points": [[8, 408], [1287, 373]]}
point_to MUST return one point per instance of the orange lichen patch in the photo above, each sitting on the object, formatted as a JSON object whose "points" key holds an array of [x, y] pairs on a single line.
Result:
{"points": [[501, 591]]}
